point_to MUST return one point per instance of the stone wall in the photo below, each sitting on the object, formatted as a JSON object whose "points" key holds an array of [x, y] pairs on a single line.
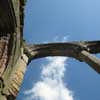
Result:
{"points": [[4, 52], [12, 62]]}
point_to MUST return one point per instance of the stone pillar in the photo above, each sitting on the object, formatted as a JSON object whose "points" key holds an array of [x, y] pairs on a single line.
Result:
{"points": [[12, 86]]}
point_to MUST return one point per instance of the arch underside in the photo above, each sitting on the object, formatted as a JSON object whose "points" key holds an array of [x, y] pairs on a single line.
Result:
{"points": [[12, 63], [82, 51]]}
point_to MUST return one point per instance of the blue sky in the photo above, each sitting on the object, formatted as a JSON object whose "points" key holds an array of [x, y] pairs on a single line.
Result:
{"points": [[52, 20]]}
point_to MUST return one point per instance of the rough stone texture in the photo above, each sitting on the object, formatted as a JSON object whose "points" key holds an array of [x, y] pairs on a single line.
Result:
{"points": [[11, 14], [16, 77], [13, 85], [4, 55], [7, 16], [90, 59], [81, 51], [14, 55]]}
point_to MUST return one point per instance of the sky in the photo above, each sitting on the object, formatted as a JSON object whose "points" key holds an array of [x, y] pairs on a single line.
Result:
{"points": [[60, 78]]}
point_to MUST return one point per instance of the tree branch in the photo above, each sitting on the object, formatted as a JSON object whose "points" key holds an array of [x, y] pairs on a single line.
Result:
{"points": [[78, 50]]}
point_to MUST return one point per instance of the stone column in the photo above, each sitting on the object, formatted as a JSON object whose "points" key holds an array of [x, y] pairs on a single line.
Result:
{"points": [[12, 86]]}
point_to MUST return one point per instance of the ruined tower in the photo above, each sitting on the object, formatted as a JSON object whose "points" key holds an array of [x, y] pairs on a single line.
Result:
{"points": [[15, 54]]}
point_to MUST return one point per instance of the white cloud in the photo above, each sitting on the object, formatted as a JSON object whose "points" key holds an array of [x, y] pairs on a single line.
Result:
{"points": [[51, 85], [61, 39]]}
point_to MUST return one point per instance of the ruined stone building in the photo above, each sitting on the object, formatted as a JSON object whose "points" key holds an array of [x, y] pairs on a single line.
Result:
{"points": [[15, 54]]}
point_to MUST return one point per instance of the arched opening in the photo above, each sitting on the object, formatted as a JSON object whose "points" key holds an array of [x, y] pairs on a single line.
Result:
{"points": [[48, 19]]}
